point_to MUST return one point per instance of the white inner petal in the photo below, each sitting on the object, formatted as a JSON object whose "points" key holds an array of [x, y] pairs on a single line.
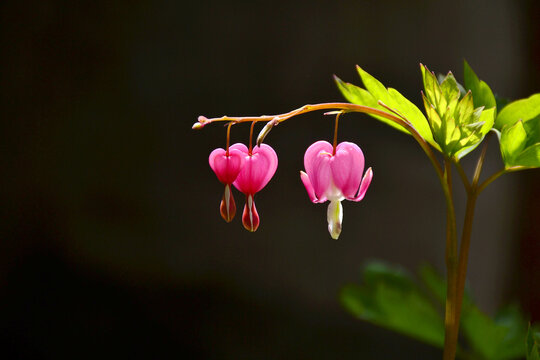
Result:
{"points": [[333, 193], [334, 216]]}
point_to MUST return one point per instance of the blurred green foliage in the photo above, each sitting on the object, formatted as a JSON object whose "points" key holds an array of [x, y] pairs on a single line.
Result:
{"points": [[392, 298]]}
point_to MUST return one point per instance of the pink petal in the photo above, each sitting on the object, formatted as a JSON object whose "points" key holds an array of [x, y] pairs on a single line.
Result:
{"points": [[258, 169], [313, 151], [347, 168], [226, 167], [317, 163], [366, 181], [309, 188], [240, 147]]}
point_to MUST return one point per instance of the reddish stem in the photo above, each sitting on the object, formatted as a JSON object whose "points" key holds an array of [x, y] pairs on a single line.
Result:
{"points": [[228, 139], [251, 136], [335, 133]]}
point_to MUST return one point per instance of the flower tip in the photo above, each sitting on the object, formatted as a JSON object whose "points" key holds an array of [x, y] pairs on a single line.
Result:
{"points": [[335, 234], [197, 126], [335, 219], [201, 121], [227, 208], [250, 217]]}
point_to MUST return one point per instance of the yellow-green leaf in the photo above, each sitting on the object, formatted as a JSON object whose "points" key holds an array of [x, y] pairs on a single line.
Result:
{"points": [[523, 109]]}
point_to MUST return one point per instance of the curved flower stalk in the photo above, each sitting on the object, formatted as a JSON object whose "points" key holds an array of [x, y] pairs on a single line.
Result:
{"points": [[260, 165], [458, 119], [335, 174], [227, 165]]}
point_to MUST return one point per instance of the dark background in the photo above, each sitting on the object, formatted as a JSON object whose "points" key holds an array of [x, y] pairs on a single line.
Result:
{"points": [[111, 239]]}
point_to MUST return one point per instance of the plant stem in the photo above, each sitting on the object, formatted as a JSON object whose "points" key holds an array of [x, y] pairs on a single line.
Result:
{"points": [[451, 331], [462, 175], [347, 107], [472, 194], [444, 179]]}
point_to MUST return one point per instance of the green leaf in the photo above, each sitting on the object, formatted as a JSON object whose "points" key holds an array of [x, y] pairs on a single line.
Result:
{"points": [[375, 91], [357, 95], [435, 283], [487, 118], [530, 157], [482, 94], [513, 140], [458, 127], [524, 109], [520, 144], [533, 343], [389, 298], [495, 339]]}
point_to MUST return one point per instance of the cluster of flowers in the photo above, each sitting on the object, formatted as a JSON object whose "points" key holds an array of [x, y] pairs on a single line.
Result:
{"points": [[332, 173]]}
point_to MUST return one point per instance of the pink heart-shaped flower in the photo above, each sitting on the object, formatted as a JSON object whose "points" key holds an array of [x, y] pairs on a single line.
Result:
{"points": [[258, 168], [226, 167]]}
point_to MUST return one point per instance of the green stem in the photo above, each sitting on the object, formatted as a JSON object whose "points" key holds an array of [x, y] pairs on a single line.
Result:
{"points": [[472, 194], [495, 176], [462, 175], [451, 331]]}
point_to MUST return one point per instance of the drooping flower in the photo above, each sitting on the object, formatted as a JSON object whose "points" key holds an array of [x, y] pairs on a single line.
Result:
{"points": [[227, 166], [260, 164], [335, 176]]}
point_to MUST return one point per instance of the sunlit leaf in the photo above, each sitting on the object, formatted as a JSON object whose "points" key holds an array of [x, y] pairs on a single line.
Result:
{"points": [[524, 110], [530, 157], [359, 96], [520, 144], [375, 91], [482, 94], [457, 125]]}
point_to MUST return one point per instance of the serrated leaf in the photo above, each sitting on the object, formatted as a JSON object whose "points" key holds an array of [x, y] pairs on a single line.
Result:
{"points": [[532, 128], [395, 100], [457, 126], [357, 95], [529, 157], [482, 94], [513, 142], [499, 339], [389, 298], [487, 118], [523, 109]]}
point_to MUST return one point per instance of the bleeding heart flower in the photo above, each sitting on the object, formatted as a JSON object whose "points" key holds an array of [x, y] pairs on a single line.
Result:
{"points": [[335, 176], [259, 166], [227, 166]]}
